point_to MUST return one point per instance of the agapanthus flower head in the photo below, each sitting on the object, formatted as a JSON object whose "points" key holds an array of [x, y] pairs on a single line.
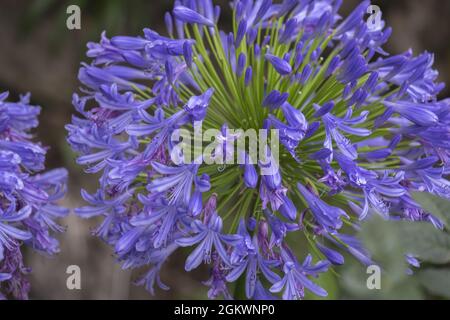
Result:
{"points": [[28, 196], [357, 131]]}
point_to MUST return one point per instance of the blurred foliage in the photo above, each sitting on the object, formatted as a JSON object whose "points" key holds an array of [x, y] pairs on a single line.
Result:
{"points": [[115, 16], [389, 241]]}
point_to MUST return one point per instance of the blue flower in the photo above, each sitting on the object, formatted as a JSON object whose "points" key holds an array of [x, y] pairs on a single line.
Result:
{"points": [[179, 181], [9, 234], [188, 15], [296, 279], [333, 256], [217, 282], [327, 216], [28, 205], [246, 257], [360, 130], [206, 236], [196, 106], [294, 132], [280, 65]]}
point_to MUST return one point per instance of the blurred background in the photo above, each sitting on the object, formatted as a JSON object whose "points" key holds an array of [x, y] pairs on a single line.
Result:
{"points": [[38, 54]]}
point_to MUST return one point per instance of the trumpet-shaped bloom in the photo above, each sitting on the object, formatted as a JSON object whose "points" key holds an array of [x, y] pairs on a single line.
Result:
{"points": [[359, 130], [29, 195]]}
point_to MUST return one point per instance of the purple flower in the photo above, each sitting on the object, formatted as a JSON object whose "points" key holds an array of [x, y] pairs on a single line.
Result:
{"points": [[217, 282], [9, 234], [358, 129], [15, 281], [248, 75], [179, 181], [280, 65], [196, 106], [246, 257], [206, 236], [414, 112], [190, 16], [28, 205], [296, 279], [354, 18], [250, 173], [152, 276], [327, 216], [334, 126], [333, 256], [275, 99], [242, 29]]}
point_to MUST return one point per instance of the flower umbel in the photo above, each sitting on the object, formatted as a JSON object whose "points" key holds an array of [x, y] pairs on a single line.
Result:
{"points": [[28, 196], [359, 130]]}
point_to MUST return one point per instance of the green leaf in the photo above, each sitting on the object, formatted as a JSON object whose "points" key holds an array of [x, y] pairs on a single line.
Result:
{"points": [[423, 240], [389, 241], [354, 285], [383, 241], [386, 239], [436, 281], [435, 205]]}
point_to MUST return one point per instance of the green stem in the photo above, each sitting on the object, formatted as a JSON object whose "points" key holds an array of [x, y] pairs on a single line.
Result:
{"points": [[239, 289]]}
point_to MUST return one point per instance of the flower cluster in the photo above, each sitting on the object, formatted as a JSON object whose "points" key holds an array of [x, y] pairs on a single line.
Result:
{"points": [[359, 131], [27, 196]]}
